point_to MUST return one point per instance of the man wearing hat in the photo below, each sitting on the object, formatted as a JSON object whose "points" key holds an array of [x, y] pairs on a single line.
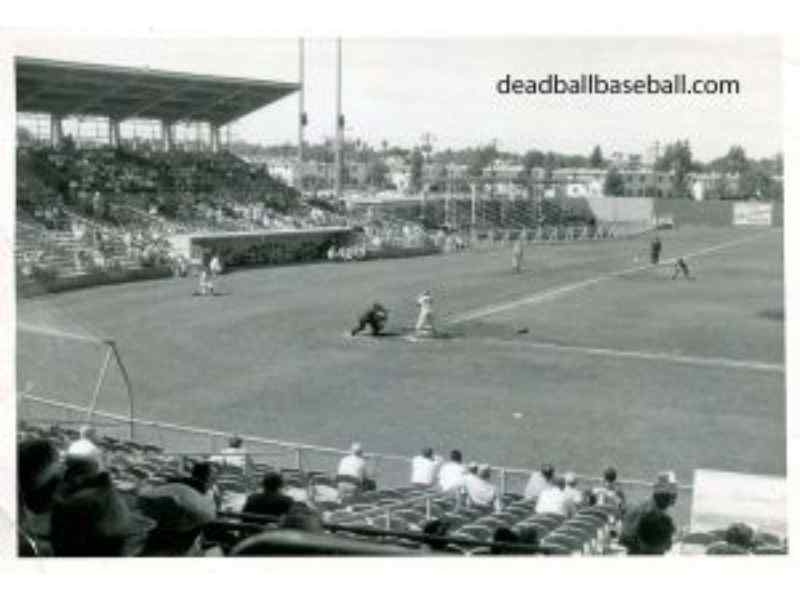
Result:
{"points": [[553, 499], [352, 472], [452, 473], [665, 494], [424, 468], [39, 473], [540, 480], [235, 455], [83, 461], [480, 491], [180, 513], [93, 520]]}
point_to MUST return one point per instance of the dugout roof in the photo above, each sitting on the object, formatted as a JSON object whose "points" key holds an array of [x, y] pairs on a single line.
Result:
{"points": [[69, 88]]}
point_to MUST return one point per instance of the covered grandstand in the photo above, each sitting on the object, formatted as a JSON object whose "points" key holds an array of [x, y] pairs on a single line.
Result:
{"points": [[67, 89], [101, 209]]}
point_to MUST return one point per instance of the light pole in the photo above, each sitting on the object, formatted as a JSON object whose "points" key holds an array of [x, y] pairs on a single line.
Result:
{"points": [[302, 119], [339, 121]]}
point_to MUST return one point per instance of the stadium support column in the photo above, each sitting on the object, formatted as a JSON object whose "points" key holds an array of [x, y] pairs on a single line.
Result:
{"points": [[113, 132], [215, 141], [474, 196], [339, 121], [302, 119], [56, 130], [167, 136]]}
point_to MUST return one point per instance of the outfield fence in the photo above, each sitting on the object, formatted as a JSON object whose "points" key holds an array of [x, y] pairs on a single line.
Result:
{"points": [[388, 470]]}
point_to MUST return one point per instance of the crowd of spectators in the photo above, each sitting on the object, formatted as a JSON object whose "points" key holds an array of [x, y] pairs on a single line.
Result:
{"points": [[120, 206], [647, 528], [69, 504]]}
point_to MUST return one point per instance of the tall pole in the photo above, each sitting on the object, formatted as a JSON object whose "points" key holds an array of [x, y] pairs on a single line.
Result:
{"points": [[339, 120], [301, 117]]}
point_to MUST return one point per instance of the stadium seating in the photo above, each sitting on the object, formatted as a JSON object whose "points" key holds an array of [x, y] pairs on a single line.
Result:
{"points": [[715, 543], [85, 210], [374, 519]]}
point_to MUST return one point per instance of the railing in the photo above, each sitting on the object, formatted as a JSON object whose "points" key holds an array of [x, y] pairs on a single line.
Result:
{"points": [[389, 470]]}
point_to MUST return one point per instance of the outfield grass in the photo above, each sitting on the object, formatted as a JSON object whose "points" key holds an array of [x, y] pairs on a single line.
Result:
{"points": [[270, 357]]}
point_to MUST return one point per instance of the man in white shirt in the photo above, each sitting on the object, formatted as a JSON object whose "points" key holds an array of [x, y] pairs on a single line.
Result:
{"points": [[235, 455], [424, 467], [451, 475], [571, 490], [352, 472], [539, 481], [553, 500], [480, 490], [424, 324]]}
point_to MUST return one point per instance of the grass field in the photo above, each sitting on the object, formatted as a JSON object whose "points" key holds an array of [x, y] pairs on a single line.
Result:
{"points": [[620, 365]]}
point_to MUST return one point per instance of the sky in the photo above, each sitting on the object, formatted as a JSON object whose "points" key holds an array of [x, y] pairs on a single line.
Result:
{"points": [[398, 89]]}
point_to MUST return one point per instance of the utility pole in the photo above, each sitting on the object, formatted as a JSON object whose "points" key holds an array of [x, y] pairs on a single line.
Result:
{"points": [[339, 121], [302, 119]]}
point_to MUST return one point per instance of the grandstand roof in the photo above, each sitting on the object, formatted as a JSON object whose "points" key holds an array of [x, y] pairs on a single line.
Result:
{"points": [[69, 88]]}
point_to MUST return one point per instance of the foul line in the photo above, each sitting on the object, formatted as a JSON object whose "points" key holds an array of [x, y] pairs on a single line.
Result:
{"points": [[697, 361], [565, 289]]}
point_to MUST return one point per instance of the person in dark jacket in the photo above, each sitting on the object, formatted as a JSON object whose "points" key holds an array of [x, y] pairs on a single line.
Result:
{"points": [[270, 501], [375, 317], [655, 250]]}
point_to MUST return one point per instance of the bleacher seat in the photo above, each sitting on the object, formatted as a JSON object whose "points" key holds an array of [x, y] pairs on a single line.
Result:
{"points": [[723, 548], [481, 533], [301, 543], [701, 538], [770, 550]]}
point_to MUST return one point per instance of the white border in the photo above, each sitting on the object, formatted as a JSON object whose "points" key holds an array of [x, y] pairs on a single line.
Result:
{"points": [[377, 577]]}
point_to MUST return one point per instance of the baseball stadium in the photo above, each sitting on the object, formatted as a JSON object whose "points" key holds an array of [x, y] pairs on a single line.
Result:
{"points": [[591, 364]]}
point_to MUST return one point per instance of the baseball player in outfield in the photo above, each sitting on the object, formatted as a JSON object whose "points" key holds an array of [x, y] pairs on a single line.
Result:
{"points": [[516, 256]]}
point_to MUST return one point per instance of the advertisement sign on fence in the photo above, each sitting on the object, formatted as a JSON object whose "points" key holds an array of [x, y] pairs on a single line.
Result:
{"points": [[752, 213], [722, 498]]}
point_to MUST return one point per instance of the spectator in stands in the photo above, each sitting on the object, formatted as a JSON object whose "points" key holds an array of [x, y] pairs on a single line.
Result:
{"points": [[424, 467], [87, 432], [504, 535], [610, 493], [83, 461], [480, 491], [571, 490], [271, 501], [180, 513], [539, 481], [739, 539], [352, 472], [203, 480], [39, 473], [301, 517], [451, 474], [436, 528], [235, 455], [664, 496], [90, 518], [553, 499], [653, 534]]}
